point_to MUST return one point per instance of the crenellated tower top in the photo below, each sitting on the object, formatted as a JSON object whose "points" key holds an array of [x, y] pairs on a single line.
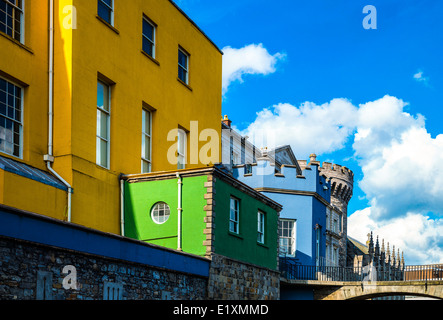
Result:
{"points": [[341, 178], [342, 186]]}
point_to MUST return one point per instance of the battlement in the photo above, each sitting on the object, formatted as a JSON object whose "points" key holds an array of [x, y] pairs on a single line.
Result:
{"points": [[340, 177], [266, 167], [265, 174], [328, 169], [337, 170]]}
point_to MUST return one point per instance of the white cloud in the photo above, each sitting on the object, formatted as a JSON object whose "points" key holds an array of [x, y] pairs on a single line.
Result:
{"points": [[399, 158], [406, 174], [308, 128], [328, 127], [419, 76], [251, 59], [379, 123], [400, 161], [416, 235]]}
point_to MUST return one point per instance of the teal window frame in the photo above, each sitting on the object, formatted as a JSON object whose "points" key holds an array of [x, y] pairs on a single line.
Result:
{"points": [[261, 223], [234, 215]]}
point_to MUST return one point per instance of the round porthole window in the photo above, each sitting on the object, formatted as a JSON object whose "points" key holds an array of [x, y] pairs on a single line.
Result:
{"points": [[160, 213]]}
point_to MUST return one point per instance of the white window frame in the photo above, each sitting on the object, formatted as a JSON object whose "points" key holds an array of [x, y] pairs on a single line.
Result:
{"points": [[261, 218], [185, 68], [335, 226], [182, 142], [101, 111], [235, 159], [335, 255], [328, 218], [234, 215], [317, 245], [156, 209], [146, 135], [112, 11], [291, 238], [20, 156], [154, 35], [328, 252], [22, 20]]}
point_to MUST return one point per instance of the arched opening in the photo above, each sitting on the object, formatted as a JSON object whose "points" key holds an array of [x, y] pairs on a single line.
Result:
{"points": [[373, 296]]}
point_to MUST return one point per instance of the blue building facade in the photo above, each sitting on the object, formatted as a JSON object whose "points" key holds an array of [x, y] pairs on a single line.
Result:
{"points": [[305, 196]]}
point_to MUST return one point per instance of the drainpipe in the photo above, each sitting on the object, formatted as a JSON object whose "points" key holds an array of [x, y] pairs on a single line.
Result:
{"points": [[49, 158], [122, 205], [179, 211]]}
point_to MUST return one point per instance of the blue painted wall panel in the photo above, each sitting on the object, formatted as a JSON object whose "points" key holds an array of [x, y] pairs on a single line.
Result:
{"points": [[306, 209], [42, 230]]}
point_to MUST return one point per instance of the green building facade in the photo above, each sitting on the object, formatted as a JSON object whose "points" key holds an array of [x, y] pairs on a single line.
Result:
{"points": [[203, 212]]}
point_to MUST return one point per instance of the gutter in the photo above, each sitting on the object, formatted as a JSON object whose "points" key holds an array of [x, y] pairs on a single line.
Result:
{"points": [[122, 206], [179, 212], [49, 158]]}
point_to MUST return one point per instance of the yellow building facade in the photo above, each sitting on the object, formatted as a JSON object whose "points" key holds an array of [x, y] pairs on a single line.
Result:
{"points": [[95, 95]]}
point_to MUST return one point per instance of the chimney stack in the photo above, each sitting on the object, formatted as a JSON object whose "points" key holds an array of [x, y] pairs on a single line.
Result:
{"points": [[313, 157], [227, 122]]}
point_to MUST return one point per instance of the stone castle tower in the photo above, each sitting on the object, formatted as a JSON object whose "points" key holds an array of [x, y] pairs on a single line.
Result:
{"points": [[342, 186]]}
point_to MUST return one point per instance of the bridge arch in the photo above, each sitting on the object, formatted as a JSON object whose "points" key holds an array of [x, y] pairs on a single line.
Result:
{"points": [[392, 294], [362, 291]]}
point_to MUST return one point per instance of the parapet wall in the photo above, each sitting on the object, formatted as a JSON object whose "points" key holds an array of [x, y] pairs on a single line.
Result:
{"points": [[264, 174], [230, 279], [32, 264], [337, 171], [35, 272], [340, 177]]}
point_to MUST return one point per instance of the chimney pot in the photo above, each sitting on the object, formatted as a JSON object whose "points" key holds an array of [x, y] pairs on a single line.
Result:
{"points": [[226, 121]]}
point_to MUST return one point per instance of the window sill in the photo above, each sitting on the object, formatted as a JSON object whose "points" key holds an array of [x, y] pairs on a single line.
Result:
{"points": [[99, 166], [262, 245], [184, 83], [21, 45], [110, 26], [12, 157], [235, 235], [151, 58]]}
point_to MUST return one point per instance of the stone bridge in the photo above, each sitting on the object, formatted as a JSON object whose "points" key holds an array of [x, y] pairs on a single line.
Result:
{"points": [[336, 290]]}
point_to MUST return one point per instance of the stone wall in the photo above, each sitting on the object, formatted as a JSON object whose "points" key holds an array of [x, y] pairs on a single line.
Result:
{"points": [[235, 280], [29, 271]]}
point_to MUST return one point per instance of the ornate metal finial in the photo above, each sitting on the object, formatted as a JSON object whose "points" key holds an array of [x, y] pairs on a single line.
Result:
{"points": [[383, 253], [313, 157], [377, 248], [388, 255], [399, 259], [393, 256], [371, 246]]}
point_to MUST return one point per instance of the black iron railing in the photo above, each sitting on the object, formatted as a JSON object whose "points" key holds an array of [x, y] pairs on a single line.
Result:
{"points": [[319, 273], [294, 271]]}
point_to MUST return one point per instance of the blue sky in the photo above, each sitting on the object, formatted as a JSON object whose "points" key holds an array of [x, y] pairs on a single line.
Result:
{"points": [[371, 100]]}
